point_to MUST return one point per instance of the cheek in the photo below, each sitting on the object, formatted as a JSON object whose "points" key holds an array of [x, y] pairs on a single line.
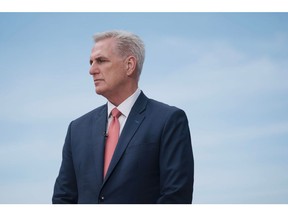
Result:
{"points": [[115, 75]]}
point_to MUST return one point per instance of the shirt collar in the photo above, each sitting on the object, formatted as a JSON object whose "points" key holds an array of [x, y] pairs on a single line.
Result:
{"points": [[126, 106]]}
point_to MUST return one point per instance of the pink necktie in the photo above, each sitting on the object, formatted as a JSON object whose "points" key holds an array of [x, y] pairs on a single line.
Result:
{"points": [[112, 139]]}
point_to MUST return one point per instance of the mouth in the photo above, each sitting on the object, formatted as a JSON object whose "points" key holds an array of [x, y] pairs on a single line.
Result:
{"points": [[98, 80]]}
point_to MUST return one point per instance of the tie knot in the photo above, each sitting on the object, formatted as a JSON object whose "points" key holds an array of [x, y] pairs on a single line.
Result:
{"points": [[115, 112]]}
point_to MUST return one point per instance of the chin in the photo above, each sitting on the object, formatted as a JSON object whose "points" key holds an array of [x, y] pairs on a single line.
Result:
{"points": [[99, 91]]}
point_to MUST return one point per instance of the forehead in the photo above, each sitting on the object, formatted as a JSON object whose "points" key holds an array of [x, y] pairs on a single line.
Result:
{"points": [[105, 47]]}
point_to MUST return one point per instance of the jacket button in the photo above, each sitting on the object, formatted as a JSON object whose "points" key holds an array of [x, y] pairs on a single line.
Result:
{"points": [[102, 198]]}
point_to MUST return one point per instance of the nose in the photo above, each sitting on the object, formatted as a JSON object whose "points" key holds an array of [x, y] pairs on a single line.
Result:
{"points": [[93, 69]]}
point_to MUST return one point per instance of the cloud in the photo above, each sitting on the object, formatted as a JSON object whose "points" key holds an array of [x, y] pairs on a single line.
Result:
{"points": [[216, 69], [46, 97], [247, 133]]}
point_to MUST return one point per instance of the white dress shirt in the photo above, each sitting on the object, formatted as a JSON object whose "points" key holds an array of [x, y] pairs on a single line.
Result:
{"points": [[125, 108]]}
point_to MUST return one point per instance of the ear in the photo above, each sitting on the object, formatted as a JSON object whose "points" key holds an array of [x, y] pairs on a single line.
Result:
{"points": [[131, 63]]}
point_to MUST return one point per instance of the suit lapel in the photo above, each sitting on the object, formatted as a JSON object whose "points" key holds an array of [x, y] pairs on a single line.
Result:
{"points": [[98, 140], [133, 122]]}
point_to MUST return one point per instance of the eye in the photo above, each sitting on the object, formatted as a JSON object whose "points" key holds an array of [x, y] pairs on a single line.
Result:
{"points": [[100, 60]]}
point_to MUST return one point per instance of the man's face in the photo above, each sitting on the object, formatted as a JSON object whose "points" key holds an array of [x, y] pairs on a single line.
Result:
{"points": [[107, 68]]}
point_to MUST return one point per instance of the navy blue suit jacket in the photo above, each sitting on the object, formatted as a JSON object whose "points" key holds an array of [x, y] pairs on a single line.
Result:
{"points": [[152, 163]]}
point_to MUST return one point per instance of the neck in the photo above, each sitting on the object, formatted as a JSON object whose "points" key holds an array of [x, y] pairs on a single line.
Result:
{"points": [[119, 97]]}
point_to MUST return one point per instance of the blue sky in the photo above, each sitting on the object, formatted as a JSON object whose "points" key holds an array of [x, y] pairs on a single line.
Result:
{"points": [[227, 71]]}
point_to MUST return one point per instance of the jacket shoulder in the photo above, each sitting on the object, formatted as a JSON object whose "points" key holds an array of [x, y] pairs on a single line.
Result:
{"points": [[154, 104], [95, 112]]}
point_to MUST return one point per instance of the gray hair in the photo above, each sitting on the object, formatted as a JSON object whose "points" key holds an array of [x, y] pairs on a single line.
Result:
{"points": [[127, 44]]}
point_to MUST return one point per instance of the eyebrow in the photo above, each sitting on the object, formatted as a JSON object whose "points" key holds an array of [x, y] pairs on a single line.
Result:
{"points": [[97, 58]]}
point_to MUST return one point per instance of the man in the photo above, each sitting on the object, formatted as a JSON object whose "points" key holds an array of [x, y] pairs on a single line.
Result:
{"points": [[132, 149]]}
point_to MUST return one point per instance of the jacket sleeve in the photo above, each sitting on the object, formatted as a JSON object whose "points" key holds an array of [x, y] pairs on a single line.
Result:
{"points": [[176, 161], [65, 189]]}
